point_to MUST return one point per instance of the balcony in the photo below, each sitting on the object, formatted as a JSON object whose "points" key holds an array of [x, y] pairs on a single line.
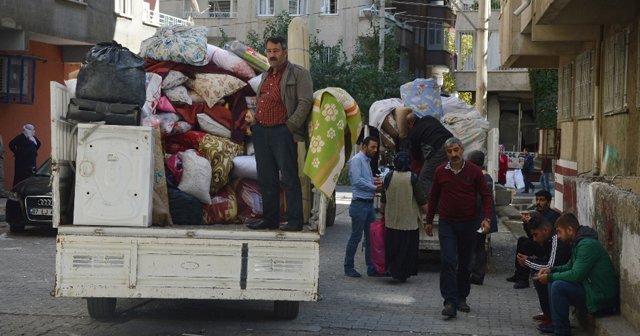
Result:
{"points": [[582, 12], [155, 18]]}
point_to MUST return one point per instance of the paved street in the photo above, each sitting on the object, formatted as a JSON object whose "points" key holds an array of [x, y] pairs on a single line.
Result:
{"points": [[364, 306]]}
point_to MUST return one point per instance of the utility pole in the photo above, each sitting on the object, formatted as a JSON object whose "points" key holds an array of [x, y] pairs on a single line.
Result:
{"points": [[482, 40], [381, 14]]}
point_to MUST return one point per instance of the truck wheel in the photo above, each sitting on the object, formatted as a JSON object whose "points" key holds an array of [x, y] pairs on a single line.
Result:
{"points": [[331, 211], [286, 310], [16, 228], [101, 308]]}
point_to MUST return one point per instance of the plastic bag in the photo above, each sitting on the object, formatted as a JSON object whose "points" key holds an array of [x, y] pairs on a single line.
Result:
{"points": [[376, 241], [111, 73]]}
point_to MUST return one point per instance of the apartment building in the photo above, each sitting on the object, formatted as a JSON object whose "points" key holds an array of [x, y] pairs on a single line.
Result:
{"points": [[43, 40], [595, 45]]}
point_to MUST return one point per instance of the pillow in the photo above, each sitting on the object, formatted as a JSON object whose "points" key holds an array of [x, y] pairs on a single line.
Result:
{"points": [[178, 94], [181, 127], [173, 79], [196, 176], [245, 166], [255, 82], [230, 62], [164, 105], [179, 44], [167, 122], [211, 126], [195, 98], [153, 94], [213, 87], [220, 153]]}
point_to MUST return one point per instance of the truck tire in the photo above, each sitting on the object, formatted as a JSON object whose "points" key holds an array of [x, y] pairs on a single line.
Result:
{"points": [[16, 228], [331, 211], [101, 308], [286, 310]]}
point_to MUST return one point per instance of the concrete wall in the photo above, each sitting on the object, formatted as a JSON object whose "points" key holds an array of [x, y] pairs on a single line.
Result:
{"points": [[613, 213], [64, 19], [506, 81], [347, 25]]}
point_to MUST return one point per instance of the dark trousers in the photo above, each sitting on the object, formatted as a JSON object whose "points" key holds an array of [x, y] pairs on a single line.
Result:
{"points": [[543, 297], [479, 258], [525, 246], [276, 152], [527, 181], [457, 241], [429, 167]]}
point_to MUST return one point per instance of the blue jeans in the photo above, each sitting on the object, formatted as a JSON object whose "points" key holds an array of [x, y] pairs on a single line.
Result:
{"points": [[457, 242], [362, 215], [276, 152], [544, 181], [562, 294]]}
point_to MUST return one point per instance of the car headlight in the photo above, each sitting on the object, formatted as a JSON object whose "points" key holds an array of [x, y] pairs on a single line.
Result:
{"points": [[12, 195]]}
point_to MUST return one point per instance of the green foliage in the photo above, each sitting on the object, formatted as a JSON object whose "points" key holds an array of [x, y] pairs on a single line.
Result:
{"points": [[449, 80], [544, 85], [224, 38], [278, 26]]}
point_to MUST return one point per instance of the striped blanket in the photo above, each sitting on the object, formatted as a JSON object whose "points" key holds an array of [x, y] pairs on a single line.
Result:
{"points": [[333, 130]]}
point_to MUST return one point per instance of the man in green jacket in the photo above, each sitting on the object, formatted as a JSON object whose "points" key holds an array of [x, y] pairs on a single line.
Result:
{"points": [[588, 280]]}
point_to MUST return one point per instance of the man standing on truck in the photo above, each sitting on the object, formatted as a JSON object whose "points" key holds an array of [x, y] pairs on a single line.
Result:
{"points": [[456, 187], [426, 138], [284, 101], [361, 209]]}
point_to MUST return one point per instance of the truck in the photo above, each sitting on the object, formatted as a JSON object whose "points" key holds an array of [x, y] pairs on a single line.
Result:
{"points": [[231, 262]]}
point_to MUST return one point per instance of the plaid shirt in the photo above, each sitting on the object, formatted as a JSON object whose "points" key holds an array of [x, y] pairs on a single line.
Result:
{"points": [[270, 109]]}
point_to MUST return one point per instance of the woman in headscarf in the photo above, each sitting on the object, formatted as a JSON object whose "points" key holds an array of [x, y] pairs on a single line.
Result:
{"points": [[25, 149], [401, 202]]}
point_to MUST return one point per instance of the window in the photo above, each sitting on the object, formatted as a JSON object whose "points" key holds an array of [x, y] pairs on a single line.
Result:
{"points": [[615, 73], [329, 7], [435, 36], [266, 7], [297, 7], [565, 80], [583, 87], [123, 7], [17, 73], [223, 8]]}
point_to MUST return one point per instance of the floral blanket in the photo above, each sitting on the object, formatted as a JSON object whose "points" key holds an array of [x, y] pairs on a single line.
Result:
{"points": [[333, 130]]}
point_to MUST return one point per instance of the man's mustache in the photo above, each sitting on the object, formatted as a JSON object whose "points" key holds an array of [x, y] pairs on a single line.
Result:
{"points": [[273, 59]]}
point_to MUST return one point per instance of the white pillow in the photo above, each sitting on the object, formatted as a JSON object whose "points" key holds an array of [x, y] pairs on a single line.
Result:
{"points": [[255, 83], [245, 166], [173, 79], [178, 94], [211, 126], [196, 176]]}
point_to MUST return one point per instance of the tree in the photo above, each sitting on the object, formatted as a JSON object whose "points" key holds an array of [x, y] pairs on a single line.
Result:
{"points": [[544, 85]]}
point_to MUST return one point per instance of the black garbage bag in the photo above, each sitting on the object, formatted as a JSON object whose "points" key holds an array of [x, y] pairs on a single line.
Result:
{"points": [[184, 208], [111, 73]]}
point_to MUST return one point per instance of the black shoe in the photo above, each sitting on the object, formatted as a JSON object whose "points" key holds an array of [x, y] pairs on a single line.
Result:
{"points": [[449, 311], [291, 227], [352, 273], [262, 226], [476, 280], [520, 284], [463, 306], [513, 278], [377, 275]]}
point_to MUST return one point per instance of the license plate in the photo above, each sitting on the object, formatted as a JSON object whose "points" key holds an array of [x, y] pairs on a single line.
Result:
{"points": [[41, 211]]}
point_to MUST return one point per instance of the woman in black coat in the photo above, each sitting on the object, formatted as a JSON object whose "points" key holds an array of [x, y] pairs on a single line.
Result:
{"points": [[25, 149]]}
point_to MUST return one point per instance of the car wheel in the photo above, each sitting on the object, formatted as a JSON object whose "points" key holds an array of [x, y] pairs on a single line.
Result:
{"points": [[101, 308], [286, 310], [13, 228]]}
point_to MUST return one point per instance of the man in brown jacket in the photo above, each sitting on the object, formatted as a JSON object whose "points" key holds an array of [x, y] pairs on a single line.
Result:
{"points": [[284, 101]]}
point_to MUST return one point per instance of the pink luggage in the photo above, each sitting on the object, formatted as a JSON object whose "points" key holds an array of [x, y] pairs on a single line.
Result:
{"points": [[376, 237]]}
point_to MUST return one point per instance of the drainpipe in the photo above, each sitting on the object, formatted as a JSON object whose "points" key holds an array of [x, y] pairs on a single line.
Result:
{"points": [[523, 6], [597, 115]]}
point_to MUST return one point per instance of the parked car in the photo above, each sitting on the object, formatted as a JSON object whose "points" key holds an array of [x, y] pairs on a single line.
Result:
{"points": [[30, 202]]}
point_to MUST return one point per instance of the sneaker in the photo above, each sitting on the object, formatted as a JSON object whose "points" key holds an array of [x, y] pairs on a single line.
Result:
{"points": [[520, 284], [352, 273], [513, 278], [463, 306], [449, 310], [546, 328]]}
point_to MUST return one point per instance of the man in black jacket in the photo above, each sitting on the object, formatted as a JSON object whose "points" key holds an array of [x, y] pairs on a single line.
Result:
{"points": [[551, 252]]}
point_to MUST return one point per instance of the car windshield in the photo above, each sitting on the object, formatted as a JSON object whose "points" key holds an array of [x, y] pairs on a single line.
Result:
{"points": [[44, 169]]}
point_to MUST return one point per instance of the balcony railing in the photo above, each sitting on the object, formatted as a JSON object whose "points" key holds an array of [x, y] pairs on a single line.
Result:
{"points": [[159, 19], [495, 6], [212, 15]]}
